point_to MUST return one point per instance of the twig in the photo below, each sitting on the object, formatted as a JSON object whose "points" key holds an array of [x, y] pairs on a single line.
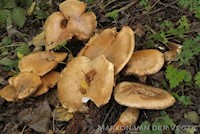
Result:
{"points": [[127, 6], [53, 121], [103, 122]]}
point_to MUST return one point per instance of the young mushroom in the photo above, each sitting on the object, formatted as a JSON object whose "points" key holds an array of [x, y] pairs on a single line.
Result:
{"points": [[48, 81], [25, 84], [8, 93], [128, 118], [117, 47], [145, 62], [84, 79], [41, 62], [137, 95], [174, 50]]}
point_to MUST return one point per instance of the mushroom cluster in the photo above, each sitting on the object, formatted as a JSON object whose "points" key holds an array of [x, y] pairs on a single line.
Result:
{"points": [[91, 75], [35, 76], [70, 21]]}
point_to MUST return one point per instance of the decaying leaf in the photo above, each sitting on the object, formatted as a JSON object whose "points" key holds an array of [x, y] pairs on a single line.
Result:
{"points": [[62, 114], [38, 118], [38, 40]]}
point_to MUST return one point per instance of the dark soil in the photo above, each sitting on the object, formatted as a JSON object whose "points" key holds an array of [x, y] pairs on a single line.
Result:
{"points": [[135, 17]]}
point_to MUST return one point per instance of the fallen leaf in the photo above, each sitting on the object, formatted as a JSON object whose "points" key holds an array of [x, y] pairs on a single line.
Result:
{"points": [[62, 114], [192, 116], [31, 9], [139, 30], [38, 40], [38, 118]]}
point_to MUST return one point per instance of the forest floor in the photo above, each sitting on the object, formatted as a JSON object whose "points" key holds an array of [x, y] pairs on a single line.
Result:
{"points": [[156, 23]]}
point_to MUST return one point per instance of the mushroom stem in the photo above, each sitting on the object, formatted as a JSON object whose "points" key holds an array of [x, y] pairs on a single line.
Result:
{"points": [[126, 119]]}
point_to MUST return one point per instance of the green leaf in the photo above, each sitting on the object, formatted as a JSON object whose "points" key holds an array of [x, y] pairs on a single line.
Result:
{"points": [[18, 16], [7, 62], [113, 14], [190, 49], [9, 4], [145, 128], [25, 3], [186, 100], [176, 76], [41, 14], [22, 50], [5, 17], [197, 79], [6, 41]]}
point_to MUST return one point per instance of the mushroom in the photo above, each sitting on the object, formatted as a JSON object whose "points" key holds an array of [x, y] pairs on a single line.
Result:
{"points": [[145, 62], [174, 50], [80, 24], [25, 84], [137, 95], [84, 79], [116, 47], [8, 93], [126, 119], [71, 21], [41, 62], [48, 81], [55, 30]]}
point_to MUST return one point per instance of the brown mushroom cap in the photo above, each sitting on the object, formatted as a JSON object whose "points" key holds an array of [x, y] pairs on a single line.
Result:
{"points": [[126, 119], [101, 85], [25, 84], [41, 62], [145, 62], [83, 78], [48, 81], [8, 93], [117, 47], [83, 26], [71, 8], [55, 30], [60, 27], [141, 96]]}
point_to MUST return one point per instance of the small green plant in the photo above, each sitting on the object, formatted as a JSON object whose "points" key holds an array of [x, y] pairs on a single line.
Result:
{"points": [[190, 49], [21, 49], [185, 100], [146, 4], [176, 76], [11, 13], [167, 30], [197, 79], [113, 14], [192, 5], [160, 123]]}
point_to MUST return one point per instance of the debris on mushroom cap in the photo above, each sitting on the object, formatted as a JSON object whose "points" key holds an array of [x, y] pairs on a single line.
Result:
{"points": [[41, 62], [128, 118], [100, 81], [174, 50], [25, 84], [141, 96], [8, 93], [55, 30], [71, 8], [85, 78], [117, 47], [145, 62], [48, 81]]}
